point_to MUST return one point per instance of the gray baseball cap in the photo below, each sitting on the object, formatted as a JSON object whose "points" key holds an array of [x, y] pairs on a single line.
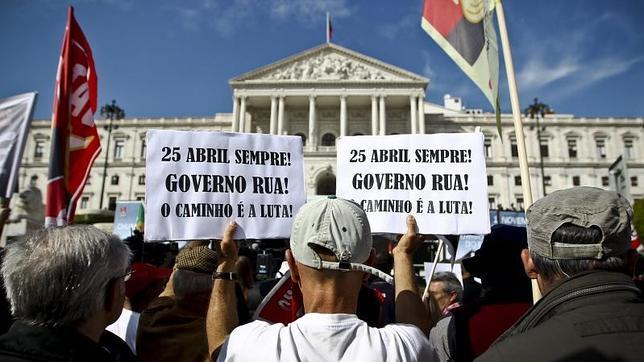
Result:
{"points": [[586, 207], [338, 225]]}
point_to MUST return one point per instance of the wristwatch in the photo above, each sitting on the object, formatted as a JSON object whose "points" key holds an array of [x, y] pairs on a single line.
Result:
{"points": [[225, 275]]}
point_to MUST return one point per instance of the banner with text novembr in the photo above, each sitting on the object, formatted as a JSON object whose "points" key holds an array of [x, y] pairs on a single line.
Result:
{"points": [[438, 178], [196, 182]]}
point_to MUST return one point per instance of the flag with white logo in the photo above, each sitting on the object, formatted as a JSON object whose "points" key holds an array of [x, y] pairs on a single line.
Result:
{"points": [[74, 138]]}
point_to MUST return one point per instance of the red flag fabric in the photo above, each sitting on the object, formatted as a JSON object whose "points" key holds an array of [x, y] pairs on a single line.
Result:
{"points": [[74, 138], [283, 304]]}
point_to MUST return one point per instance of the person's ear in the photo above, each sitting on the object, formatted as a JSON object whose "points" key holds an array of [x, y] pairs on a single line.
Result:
{"points": [[114, 297], [452, 297], [292, 265], [528, 264]]}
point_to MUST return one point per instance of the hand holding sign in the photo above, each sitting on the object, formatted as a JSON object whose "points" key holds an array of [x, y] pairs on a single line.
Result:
{"points": [[439, 178], [198, 181]]}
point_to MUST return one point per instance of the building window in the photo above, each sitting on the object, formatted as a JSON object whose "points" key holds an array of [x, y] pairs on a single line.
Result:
{"points": [[39, 149], [488, 147], [84, 202], [517, 180], [118, 149], [89, 180], [634, 181], [303, 137], [358, 134], [572, 148], [143, 149], [543, 147], [605, 181], [491, 202], [601, 147], [547, 180], [328, 139], [111, 205], [576, 181], [629, 151], [514, 150], [114, 180], [520, 202], [140, 198], [142, 180], [490, 180]]}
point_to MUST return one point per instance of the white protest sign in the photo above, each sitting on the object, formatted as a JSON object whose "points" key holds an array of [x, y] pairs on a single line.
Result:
{"points": [[196, 182], [443, 267], [439, 178]]}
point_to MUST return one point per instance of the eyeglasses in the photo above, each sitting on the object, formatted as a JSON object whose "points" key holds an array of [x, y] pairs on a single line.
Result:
{"points": [[126, 276]]}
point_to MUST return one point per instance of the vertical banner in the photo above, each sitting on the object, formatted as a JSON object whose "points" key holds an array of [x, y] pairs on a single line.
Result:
{"points": [[15, 119], [74, 139], [197, 182], [439, 178]]}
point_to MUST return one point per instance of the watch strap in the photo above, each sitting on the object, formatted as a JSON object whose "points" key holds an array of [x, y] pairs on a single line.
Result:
{"points": [[225, 275]]}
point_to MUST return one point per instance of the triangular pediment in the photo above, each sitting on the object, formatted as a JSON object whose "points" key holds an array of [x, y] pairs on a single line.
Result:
{"points": [[332, 63]]}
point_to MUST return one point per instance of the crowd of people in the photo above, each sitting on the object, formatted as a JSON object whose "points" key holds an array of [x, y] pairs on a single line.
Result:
{"points": [[78, 294]]}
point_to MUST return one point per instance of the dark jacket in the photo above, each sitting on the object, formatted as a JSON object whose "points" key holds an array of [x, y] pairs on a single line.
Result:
{"points": [[168, 332], [25, 342], [593, 316]]}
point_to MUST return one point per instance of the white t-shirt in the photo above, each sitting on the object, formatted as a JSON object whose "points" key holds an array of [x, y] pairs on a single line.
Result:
{"points": [[326, 337], [125, 327]]}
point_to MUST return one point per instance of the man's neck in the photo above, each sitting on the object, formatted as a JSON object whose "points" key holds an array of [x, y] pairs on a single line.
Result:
{"points": [[329, 300]]}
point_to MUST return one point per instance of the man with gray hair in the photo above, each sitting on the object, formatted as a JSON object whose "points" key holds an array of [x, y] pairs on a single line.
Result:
{"points": [[591, 310], [65, 285], [447, 290]]}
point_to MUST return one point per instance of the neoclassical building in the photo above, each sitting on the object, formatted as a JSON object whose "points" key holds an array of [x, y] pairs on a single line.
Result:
{"points": [[330, 91]]}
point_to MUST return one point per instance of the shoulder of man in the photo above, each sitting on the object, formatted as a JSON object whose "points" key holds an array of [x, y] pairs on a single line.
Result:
{"points": [[236, 344], [411, 336]]}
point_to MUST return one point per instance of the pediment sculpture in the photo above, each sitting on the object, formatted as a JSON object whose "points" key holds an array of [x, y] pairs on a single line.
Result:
{"points": [[327, 67]]}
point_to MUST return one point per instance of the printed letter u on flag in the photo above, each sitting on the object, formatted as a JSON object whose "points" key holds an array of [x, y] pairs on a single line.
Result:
{"points": [[74, 138]]}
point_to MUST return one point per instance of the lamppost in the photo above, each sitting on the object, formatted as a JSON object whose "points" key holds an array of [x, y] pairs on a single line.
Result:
{"points": [[111, 112], [535, 111]]}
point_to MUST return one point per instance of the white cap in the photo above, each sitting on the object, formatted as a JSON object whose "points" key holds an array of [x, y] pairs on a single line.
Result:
{"points": [[338, 225]]}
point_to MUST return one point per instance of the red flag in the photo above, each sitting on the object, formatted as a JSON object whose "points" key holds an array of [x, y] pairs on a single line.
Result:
{"points": [[283, 304], [465, 31], [74, 138]]}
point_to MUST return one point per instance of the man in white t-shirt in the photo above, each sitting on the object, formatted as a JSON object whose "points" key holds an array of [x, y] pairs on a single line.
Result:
{"points": [[330, 245]]}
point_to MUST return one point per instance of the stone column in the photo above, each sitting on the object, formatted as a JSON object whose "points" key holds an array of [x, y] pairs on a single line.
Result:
{"points": [[421, 114], [235, 123], [412, 114], [374, 115], [280, 116], [273, 124], [383, 119], [242, 115], [343, 116], [313, 139]]}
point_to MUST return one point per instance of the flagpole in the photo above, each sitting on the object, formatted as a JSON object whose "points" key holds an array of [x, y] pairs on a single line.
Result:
{"points": [[518, 126], [328, 39]]}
